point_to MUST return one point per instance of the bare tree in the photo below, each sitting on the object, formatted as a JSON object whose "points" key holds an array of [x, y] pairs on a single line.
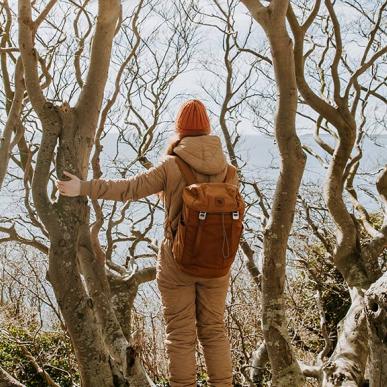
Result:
{"points": [[285, 368], [103, 294], [104, 354], [103, 260], [358, 263], [357, 259]]}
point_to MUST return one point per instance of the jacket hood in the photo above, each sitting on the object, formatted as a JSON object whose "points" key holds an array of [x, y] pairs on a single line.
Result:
{"points": [[203, 153]]}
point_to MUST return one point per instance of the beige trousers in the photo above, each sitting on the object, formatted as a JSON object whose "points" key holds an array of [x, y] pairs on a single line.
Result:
{"points": [[193, 308]]}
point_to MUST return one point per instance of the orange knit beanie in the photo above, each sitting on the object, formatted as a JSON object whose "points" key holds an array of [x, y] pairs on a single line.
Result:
{"points": [[192, 119]]}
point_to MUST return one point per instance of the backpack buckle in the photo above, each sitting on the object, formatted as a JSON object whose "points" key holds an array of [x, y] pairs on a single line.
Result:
{"points": [[202, 215], [235, 215]]}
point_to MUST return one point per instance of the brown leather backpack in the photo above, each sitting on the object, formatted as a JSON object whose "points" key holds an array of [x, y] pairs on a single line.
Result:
{"points": [[210, 225]]}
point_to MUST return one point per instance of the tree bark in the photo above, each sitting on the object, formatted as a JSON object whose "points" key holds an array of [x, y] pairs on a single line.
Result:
{"points": [[347, 256], [285, 368], [346, 365], [7, 380], [13, 127], [357, 262], [376, 314], [102, 351], [259, 360]]}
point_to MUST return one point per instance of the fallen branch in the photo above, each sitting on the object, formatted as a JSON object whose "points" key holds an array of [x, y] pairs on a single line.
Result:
{"points": [[6, 380]]}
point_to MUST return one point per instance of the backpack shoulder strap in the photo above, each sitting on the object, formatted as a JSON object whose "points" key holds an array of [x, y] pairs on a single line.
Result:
{"points": [[230, 175], [185, 170]]}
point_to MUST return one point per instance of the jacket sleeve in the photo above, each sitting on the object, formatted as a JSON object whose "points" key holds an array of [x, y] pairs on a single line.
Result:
{"points": [[134, 188]]}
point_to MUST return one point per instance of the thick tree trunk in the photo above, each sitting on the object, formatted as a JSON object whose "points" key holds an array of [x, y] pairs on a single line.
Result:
{"points": [[105, 357], [346, 365], [376, 314], [285, 368], [123, 293], [78, 312]]}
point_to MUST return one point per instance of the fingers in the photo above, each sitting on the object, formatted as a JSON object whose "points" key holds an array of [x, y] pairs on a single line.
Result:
{"points": [[70, 175], [65, 192], [68, 187], [63, 187]]}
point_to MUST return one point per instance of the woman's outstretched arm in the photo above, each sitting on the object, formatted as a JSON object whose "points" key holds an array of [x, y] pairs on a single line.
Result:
{"points": [[134, 188]]}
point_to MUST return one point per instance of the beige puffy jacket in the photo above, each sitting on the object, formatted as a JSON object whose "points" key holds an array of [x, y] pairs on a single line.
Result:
{"points": [[203, 153]]}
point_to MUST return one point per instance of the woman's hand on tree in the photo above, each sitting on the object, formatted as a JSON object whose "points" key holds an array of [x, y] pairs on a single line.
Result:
{"points": [[70, 187]]}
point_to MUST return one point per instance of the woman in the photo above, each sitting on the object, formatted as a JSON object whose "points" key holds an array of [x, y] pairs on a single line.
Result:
{"points": [[193, 307]]}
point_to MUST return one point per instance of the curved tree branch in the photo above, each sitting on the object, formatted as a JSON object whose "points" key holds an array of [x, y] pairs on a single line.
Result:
{"points": [[285, 368], [13, 123], [7, 380], [90, 99]]}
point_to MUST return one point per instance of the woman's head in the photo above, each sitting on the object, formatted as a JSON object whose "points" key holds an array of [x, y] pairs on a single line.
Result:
{"points": [[192, 119]]}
